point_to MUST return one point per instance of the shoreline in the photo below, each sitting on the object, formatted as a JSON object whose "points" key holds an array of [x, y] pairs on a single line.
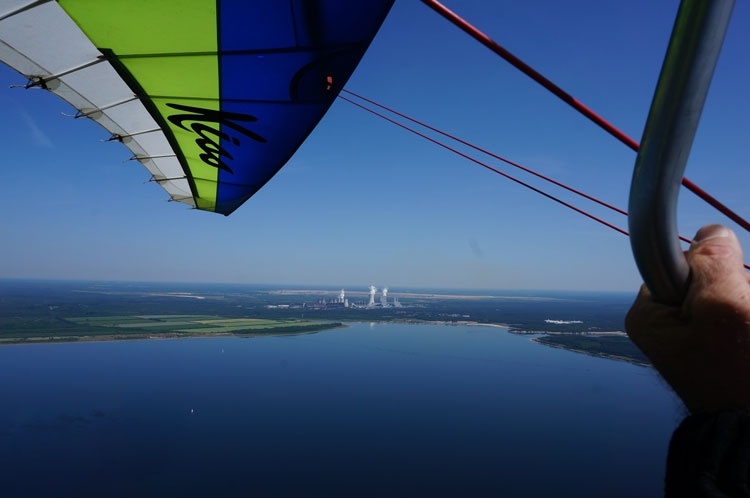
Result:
{"points": [[603, 333], [270, 333], [595, 354], [188, 335], [14, 341]]}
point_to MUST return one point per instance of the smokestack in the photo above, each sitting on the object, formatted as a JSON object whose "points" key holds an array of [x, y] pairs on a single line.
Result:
{"points": [[341, 296], [373, 290], [384, 297]]}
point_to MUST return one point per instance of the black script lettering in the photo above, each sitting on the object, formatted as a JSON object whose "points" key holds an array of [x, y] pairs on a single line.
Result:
{"points": [[206, 143], [198, 121]]}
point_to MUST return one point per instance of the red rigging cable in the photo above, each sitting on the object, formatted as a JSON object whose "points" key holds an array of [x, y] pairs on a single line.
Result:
{"points": [[487, 166], [496, 156], [491, 154], [572, 101]]}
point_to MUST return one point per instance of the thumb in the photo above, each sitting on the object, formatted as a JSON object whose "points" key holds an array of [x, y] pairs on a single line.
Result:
{"points": [[715, 256]]}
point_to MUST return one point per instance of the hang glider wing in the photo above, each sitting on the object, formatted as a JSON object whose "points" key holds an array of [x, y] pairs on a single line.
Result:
{"points": [[212, 96]]}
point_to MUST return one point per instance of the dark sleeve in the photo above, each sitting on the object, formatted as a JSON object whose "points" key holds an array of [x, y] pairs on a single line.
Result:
{"points": [[709, 456]]}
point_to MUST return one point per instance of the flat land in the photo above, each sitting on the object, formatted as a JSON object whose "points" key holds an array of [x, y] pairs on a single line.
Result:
{"points": [[65, 311], [119, 327]]}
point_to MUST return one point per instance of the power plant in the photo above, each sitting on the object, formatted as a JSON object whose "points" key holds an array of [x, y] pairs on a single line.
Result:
{"points": [[382, 303], [343, 302]]}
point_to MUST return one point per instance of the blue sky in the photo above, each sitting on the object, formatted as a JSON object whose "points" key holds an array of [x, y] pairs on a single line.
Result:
{"points": [[364, 202]]}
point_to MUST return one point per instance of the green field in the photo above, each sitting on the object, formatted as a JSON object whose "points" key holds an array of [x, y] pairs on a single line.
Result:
{"points": [[148, 326]]}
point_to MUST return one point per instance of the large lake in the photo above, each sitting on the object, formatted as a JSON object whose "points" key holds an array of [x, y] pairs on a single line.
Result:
{"points": [[384, 410]]}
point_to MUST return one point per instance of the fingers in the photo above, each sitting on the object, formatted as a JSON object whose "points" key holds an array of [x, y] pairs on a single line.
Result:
{"points": [[702, 348], [715, 256], [647, 316], [716, 268], [639, 315]]}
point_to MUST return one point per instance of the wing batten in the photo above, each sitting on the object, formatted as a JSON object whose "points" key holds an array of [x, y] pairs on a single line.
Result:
{"points": [[212, 98]]}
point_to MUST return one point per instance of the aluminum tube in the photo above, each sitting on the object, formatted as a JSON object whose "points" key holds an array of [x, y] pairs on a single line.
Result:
{"points": [[694, 48]]}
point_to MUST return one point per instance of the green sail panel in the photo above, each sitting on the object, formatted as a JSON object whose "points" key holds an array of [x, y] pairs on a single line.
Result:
{"points": [[234, 86]]}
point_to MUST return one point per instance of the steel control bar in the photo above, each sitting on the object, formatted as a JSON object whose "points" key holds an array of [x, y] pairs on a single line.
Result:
{"points": [[693, 51]]}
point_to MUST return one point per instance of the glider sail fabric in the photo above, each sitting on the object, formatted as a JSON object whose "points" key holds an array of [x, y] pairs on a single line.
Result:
{"points": [[212, 96]]}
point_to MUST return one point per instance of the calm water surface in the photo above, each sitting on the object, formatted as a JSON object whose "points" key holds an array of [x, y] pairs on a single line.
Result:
{"points": [[383, 410]]}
